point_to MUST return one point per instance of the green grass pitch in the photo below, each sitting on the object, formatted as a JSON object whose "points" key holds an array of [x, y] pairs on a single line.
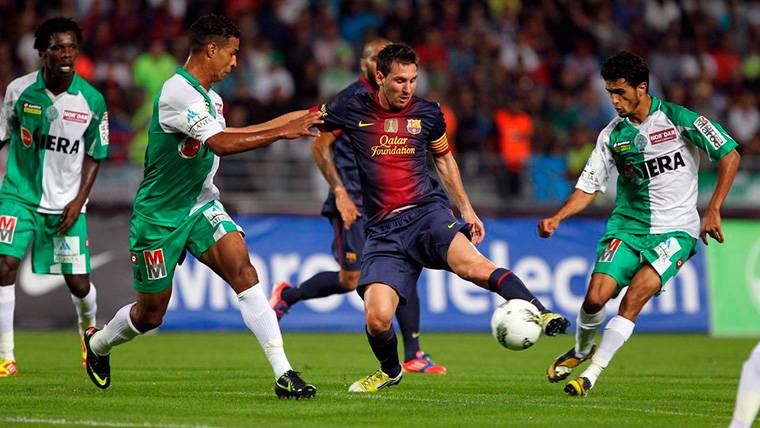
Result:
{"points": [[222, 379]]}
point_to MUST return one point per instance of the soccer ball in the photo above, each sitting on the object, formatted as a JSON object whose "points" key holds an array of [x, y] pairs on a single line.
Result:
{"points": [[515, 324]]}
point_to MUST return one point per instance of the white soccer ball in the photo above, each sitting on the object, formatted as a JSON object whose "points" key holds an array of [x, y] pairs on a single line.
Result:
{"points": [[515, 324]]}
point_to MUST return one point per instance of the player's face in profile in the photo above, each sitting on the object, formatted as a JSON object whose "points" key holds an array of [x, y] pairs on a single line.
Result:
{"points": [[224, 58], [399, 85], [625, 97], [369, 64], [59, 58]]}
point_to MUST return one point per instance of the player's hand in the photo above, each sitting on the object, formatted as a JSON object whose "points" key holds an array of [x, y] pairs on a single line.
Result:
{"points": [[711, 226], [477, 230], [301, 127], [347, 209], [69, 215], [547, 226]]}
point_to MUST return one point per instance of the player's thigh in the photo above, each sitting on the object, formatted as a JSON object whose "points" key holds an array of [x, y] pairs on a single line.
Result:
{"points": [[18, 225], [67, 253], [466, 261], [348, 244], [384, 262], [155, 251], [618, 260], [669, 253]]}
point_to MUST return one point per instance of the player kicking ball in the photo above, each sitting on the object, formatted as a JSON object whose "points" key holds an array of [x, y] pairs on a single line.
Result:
{"points": [[653, 229], [177, 206], [409, 222]]}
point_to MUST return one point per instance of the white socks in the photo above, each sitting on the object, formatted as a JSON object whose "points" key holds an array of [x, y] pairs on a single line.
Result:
{"points": [[748, 393], [7, 304], [262, 321], [119, 330], [86, 308], [587, 324], [617, 331]]}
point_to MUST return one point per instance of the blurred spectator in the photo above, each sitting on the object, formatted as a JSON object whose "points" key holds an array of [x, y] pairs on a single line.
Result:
{"points": [[744, 119], [514, 128], [152, 68]]}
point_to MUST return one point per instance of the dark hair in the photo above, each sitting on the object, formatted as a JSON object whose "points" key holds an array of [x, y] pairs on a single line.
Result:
{"points": [[211, 28], [59, 24], [395, 52], [628, 66]]}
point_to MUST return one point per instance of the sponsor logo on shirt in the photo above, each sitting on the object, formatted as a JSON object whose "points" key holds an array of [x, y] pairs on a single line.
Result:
{"points": [[414, 126], [189, 148], [196, 118], [103, 129], [215, 214], [26, 137], [154, 264], [662, 136], [75, 116], [391, 125], [7, 228], [651, 168], [710, 132], [392, 146], [58, 144], [609, 253], [66, 249], [33, 109], [622, 146], [668, 248]]}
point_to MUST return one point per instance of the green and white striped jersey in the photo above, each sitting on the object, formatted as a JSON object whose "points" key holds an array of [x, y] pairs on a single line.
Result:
{"points": [[49, 136], [179, 168], [657, 162]]}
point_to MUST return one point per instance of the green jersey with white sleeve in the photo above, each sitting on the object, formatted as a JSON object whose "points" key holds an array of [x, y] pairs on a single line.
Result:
{"points": [[657, 162], [179, 168], [49, 136]]}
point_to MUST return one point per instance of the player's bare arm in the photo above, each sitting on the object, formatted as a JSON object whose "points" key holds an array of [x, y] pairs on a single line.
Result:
{"points": [[451, 179], [323, 156], [711, 219], [71, 211], [228, 143], [577, 202], [272, 124]]}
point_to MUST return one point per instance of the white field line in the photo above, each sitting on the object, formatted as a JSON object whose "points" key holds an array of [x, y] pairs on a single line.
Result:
{"points": [[93, 422]]}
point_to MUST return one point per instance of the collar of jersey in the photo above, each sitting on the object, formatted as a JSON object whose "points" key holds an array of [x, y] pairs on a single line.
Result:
{"points": [[73, 88], [198, 87], [656, 102]]}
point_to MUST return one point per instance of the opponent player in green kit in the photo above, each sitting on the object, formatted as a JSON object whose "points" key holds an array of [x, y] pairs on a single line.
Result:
{"points": [[57, 125], [177, 206], [653, 230]]}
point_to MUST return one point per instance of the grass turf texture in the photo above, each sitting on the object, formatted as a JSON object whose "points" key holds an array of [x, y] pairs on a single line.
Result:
{"points": [[222, 379]]}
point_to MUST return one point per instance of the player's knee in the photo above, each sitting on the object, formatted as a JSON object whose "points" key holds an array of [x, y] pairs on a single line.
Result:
{"points": [[8, 269], [245, 276], [378, 323], [475, 270], [79, 285], [147, 320], [348, 280], [594, 302]]}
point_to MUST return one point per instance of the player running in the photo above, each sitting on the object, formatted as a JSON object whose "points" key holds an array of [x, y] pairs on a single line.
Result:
{"points": [[177, 206], [343, 209], [57, 125], [409, 222], [653, 230]]}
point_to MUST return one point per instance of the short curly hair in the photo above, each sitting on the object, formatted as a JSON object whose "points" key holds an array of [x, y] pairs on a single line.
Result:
{"points": [[211, 28], [51, 26], [395, 52], [628, 66]]}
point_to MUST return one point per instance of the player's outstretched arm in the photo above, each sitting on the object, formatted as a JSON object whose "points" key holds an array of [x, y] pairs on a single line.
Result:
{"points": [[323, 156], [228, 143], [71, 211], [451, 179], [727, 168], [272, 124], [577, 202]]}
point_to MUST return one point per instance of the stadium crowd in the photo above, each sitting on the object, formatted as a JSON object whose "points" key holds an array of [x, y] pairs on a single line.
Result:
{"points": [[518, 80]]}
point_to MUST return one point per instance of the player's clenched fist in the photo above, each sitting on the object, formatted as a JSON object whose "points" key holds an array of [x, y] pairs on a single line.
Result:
{"points": [[547, 226]]}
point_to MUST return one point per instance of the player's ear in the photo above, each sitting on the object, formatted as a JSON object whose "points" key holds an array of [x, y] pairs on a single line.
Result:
{"points": [[211, 49], [642, 88], [379, 77]]}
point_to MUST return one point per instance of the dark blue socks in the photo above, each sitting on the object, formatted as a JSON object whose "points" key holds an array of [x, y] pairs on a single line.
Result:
{"points": [[509, 286]]}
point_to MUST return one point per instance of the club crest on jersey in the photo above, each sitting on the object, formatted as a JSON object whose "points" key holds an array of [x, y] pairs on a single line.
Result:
{"points": [[51, 113], [75, 116], [351, 257], [414, 126], [609, 253], [154, 264], [32, 109], [189, 148], [664, 136], [391, 125], [26, 137], [7, 228], [133, 258], [640, 142], [66, 249]]}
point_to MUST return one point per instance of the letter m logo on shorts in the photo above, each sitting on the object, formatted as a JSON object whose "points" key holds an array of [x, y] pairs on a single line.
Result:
{"points": [[609, 253], [7, 228], [154, 264]]}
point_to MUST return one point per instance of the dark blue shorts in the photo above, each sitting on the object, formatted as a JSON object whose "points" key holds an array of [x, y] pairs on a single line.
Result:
{"points": [[397, 249], [347, 244]]}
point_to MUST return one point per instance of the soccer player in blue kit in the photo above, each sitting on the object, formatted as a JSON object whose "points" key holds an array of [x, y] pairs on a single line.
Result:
{"points": [[409, 224], [343, 209]]}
